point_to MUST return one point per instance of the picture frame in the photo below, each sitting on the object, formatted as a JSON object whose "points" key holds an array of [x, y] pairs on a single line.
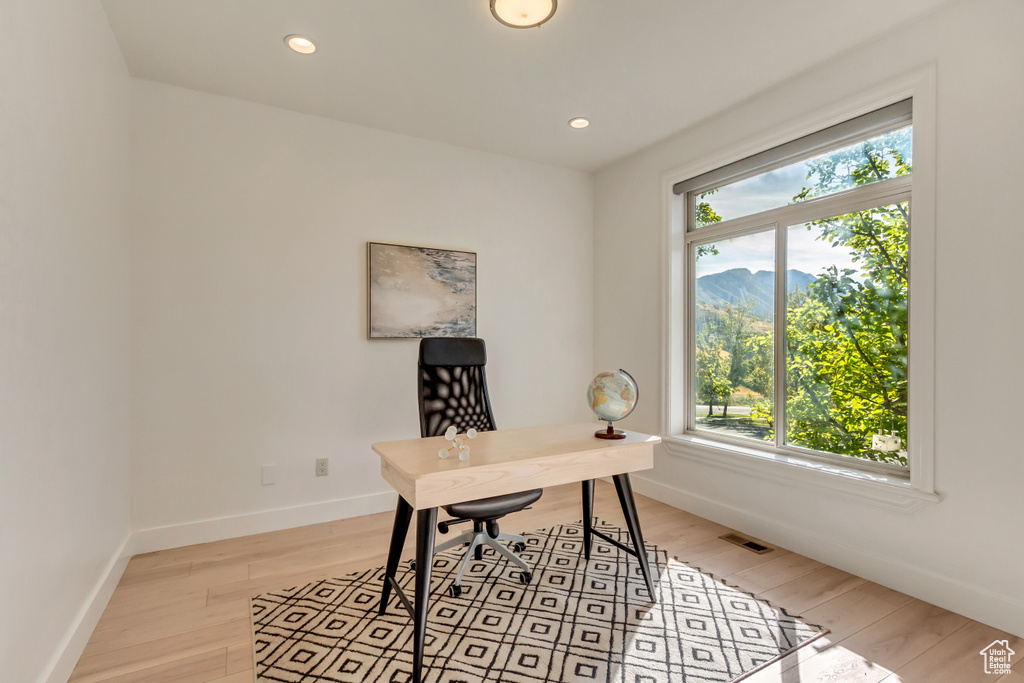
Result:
{"points": [[415, 292]]}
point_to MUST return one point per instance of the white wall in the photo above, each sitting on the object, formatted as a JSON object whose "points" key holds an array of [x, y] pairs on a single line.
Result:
{"points": [[64, 329], [961, 553], [249, 296]]}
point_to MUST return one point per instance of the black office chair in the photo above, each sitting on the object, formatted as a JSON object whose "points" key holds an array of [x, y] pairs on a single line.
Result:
{"points": [[453, 392]]}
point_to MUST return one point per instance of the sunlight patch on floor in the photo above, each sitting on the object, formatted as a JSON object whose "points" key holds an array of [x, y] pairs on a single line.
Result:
{"points": [[824, 662]]}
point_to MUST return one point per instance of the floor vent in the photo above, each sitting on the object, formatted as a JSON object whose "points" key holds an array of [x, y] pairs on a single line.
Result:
{"points": [[744, 542]]}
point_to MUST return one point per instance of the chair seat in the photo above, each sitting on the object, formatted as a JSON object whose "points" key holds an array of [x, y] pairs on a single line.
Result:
{"points": [[495, 506]]}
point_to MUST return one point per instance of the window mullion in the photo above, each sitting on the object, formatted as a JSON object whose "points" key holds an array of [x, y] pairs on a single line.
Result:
{"points": [[715, 235], [779, 371], [691, 344]]}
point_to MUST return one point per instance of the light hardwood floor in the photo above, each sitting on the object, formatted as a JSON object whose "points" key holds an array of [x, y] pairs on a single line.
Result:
{"points": [[183, 614]]}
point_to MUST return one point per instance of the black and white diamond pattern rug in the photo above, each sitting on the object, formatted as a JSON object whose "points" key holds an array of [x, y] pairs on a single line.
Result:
{"points": [[578, 620]]}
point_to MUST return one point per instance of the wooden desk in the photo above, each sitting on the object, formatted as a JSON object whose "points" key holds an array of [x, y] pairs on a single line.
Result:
{"points": [[503, 461]]}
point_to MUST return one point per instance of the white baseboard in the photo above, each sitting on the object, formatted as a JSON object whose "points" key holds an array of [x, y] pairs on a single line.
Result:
{"points": [[74, 642], [175, 536], [220, 528], [979, 604]]}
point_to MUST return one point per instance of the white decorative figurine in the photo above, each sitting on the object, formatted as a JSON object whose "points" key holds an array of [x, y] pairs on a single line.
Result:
{"points": [[452, 434], [886, 443]]}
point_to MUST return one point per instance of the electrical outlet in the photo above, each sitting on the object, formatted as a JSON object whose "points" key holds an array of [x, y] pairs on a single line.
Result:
{"points": [[321, 467]]}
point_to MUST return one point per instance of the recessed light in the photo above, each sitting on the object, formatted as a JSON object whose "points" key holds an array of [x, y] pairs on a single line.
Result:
{"points": [[579, 122], [300, 44]]}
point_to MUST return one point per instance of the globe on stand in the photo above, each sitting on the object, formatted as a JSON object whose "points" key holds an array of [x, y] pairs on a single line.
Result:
{"points": [[612, 396]]}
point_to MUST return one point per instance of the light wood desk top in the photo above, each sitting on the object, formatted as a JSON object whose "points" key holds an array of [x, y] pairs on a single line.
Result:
{"points": [[509, 460]]}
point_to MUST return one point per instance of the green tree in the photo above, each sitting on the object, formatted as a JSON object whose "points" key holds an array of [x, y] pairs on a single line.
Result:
{"points": [[761, 376], [746, 356], [847, 340], [735, 331], [846, 337], [713, 385], [705, 215]]}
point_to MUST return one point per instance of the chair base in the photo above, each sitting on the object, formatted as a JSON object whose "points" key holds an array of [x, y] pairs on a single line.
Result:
{"points": [[480, 538]]}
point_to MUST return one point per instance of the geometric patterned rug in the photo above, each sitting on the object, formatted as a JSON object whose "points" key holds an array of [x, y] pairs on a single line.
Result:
{"points": [[577, 620]]}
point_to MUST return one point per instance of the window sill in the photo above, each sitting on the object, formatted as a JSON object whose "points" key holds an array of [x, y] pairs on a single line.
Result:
{"points": [[881, 490]]}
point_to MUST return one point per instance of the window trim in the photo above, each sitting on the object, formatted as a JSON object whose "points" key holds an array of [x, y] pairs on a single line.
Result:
{"points": [[887, 492], [902, 495]]}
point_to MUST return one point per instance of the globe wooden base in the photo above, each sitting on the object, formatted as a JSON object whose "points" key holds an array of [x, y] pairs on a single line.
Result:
{"points": [[610, 433]]}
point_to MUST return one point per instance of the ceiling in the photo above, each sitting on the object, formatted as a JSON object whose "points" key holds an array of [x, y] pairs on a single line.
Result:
{"points": [[446, 70]]}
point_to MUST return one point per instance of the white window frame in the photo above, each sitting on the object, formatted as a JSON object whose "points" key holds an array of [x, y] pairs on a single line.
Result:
{"points": [[888, 489]]}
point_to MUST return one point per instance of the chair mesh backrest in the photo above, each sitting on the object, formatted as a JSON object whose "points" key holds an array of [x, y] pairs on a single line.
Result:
{"points": [[452, 395]]}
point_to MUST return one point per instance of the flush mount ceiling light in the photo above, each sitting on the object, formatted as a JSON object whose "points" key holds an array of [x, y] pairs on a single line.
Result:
{"points": [[300, 44], [579, 122], [523, 13]]}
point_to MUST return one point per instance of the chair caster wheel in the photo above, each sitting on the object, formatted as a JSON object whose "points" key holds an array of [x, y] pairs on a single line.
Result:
{"points": [[442, 527], [519, 547], [455, 591], [525, 577], [412, 565]]}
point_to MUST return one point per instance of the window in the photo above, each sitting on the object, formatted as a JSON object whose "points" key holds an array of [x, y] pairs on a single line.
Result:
{"points": [[797, 290]]}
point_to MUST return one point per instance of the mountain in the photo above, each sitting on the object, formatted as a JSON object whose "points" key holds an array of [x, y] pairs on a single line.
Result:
{"points": [[739, 284]]}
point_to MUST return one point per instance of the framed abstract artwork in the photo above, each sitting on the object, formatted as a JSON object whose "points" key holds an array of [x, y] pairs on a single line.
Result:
{"points": [[420, 292]]}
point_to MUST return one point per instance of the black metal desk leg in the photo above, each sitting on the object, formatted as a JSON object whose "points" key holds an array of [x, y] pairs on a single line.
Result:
{"points": [[426, 519], [588, 514], [403, 514], [625, 491]]}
